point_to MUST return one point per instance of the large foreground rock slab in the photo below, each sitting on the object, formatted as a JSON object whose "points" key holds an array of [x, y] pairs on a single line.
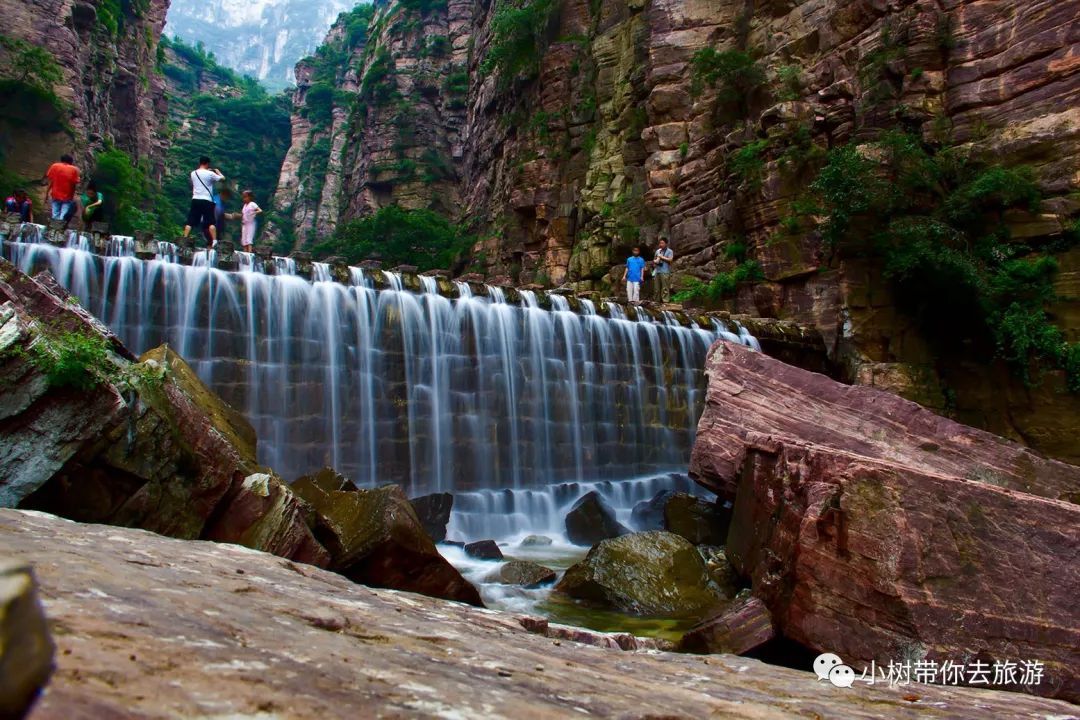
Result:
{"points": [[151, 627], [26, 649], [875, 530]]}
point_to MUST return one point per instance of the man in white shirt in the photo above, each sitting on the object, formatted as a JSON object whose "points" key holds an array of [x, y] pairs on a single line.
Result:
{"points": [[202, 212]]}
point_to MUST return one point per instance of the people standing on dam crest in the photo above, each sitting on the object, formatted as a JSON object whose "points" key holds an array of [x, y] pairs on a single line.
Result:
{"points": [[248, 221], [662, 270], [203, 211], [91, 201], [633, 274], [62, 178], [19, 202]]}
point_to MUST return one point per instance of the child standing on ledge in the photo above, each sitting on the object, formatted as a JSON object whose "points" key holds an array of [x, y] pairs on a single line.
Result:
{"points": [[248, 223]]}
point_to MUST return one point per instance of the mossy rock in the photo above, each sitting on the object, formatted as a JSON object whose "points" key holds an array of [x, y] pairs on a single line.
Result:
{"points": [[522, 573], [649, 573]]}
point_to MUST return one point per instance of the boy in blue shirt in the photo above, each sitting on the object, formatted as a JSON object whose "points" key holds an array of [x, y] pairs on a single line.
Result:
{"points": [[632, 275]]}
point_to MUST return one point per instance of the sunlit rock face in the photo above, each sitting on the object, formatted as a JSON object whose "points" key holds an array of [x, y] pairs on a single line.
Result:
{"points": [[608, 145], [263, 38]]}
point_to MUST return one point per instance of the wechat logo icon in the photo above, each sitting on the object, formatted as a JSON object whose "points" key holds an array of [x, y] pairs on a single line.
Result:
{"points": [[829, 666]]}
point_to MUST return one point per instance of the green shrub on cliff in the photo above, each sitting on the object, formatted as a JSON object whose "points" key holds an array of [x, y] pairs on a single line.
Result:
{"points": [[398, 236], [735, 73], [934, 219], [519, 30], [71, 359], [723, 285]]}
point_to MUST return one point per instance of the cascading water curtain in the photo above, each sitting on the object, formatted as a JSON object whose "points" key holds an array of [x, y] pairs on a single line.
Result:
{"points": [[386, 385]]}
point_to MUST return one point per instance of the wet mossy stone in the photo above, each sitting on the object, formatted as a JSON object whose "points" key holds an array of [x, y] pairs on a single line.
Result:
{"points": [[651, 573], [484, 550], [522, 573]]}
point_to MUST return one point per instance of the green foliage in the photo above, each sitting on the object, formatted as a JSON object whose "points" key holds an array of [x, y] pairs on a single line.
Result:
{"points": [[735, 250], [71, 359], [29, 64], [397, 236], [28, 74], [722, 285], [735, 73], [378, 85], [518, 35], [684, 149], [790, 82], [934, 219], [129, 198], [748, 162]]}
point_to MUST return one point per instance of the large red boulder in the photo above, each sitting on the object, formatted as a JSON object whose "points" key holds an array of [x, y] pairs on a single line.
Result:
{"points": [[876, 530]]}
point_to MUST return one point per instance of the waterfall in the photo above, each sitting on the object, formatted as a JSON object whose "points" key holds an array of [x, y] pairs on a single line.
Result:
{"points": [[462, 394]]}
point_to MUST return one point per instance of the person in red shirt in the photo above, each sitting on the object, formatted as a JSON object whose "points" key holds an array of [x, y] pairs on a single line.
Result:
{"points": [[63, 177]]}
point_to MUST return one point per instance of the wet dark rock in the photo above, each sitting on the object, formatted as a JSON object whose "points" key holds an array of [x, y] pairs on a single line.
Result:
{"points": [[327, 479], [649, 573], [523, 573], [649, 514], [483, 550], [699, 521], [591, 520], [375, 538], [434, 513]]}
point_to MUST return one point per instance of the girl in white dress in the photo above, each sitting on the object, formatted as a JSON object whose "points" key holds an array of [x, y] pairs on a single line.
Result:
{"points": [[248, 223]]}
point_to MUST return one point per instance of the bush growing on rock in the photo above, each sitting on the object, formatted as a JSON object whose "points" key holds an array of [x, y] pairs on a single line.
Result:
{"points": [[935, 220], [518, 34]]}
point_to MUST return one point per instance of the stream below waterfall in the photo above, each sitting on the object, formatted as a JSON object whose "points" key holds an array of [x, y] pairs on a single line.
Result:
{"points": [[517, 407], [511, 516]]}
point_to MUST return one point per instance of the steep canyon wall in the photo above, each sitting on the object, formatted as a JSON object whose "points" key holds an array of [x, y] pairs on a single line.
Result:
{"points": [[611, 142], [108, 93]]}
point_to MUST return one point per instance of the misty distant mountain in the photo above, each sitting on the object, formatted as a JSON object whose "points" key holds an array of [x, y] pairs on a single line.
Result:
{"points": [[261, 38]]}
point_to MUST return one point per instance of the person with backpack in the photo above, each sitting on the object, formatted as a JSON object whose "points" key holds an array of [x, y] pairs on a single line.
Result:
{"points": [[202, 213]]}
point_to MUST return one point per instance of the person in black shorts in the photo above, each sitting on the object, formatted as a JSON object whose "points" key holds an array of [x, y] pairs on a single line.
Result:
{"points": [[202, 213]]}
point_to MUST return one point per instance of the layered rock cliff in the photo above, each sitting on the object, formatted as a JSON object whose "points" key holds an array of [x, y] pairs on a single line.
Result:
{"points": [[634, 119], [106, 93]]}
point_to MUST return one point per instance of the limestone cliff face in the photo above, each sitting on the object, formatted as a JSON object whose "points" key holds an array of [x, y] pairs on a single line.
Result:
{"points": [[111, 94], [610, 144]]}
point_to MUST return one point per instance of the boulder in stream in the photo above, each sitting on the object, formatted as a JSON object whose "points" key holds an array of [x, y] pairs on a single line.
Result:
{"points": [[434, 513], [698, 520], [523, 573], [591, 520], [536, 541], [375, 538], [650, 573], [483, 550]]}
